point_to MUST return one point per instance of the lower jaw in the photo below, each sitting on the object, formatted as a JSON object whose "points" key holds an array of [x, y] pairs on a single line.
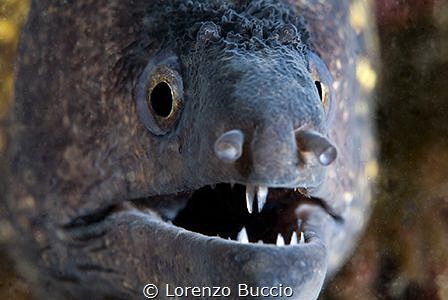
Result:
{"points": [[184, 258], [286, 239]]}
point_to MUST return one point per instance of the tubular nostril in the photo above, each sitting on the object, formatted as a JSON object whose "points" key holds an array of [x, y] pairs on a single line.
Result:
{"points": [[319, 145], [229, 146], [328, 156]]}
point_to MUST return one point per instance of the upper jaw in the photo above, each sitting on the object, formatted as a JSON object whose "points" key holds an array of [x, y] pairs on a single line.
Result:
{"points": [[309, 176]]}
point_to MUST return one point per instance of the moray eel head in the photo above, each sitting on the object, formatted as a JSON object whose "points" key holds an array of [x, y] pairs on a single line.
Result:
{"points": [[238, 121]]}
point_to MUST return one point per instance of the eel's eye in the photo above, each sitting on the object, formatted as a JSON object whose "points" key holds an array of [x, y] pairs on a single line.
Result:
{"points": [[159, 98], [322, 79], [323, 93], [164, 96], [319, 89]]}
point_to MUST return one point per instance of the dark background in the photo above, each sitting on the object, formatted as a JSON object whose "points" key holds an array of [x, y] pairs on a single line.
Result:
{"points": [[404, 253]]}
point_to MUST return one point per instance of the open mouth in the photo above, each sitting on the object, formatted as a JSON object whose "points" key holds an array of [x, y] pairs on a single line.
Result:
{"points": [[247, 214]]}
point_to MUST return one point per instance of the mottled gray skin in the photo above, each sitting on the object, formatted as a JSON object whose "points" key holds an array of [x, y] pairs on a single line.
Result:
{"points": [[78, 151]]}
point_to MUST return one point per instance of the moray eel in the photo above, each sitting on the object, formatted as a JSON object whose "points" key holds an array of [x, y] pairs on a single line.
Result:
{"points": [[189, 144]]}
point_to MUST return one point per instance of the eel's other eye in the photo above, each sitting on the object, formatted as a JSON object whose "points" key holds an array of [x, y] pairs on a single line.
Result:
{"points": [[324, 94], [322, 79], [159, 97], [319, 89]]}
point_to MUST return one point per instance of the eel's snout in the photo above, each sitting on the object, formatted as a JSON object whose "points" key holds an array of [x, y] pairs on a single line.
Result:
{"points": [[265, 121], [294, 157]]}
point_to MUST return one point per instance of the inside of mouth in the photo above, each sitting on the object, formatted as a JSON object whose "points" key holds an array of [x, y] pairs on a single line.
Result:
{"points": [[222, 211]]}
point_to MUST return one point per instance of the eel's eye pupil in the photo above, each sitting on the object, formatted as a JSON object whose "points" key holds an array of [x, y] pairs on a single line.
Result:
{"points": [[319, 88], [162, 99]]}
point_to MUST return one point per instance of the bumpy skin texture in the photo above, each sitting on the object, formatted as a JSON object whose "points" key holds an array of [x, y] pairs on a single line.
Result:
{"points": [[78, 150]]}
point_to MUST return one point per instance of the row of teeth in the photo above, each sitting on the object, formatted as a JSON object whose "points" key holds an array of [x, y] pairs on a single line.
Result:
{"points": [[262, 193], [243, 238]]}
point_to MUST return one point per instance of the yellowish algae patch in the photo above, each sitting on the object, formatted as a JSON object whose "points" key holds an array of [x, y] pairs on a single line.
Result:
{"points": [[358, 15], [8, 31], [365, 74], [371, 169], [12, 17]]}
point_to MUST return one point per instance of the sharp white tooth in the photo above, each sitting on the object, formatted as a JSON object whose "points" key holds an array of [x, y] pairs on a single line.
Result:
{"points": [[294, 239], [250, 193], [242, 236], [302, 238], [280, 240], [262, 193], [260, 242]]}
